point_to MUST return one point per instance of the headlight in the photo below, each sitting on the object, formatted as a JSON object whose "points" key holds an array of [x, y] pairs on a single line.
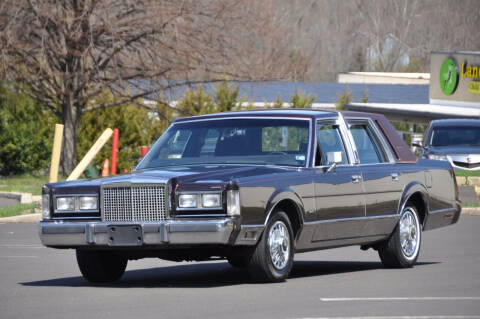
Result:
{"points": [[45, 206], [207, 200], [187, 201], [66, 203], [88, 203], [437, 157], [233, 203], [211, 200]]}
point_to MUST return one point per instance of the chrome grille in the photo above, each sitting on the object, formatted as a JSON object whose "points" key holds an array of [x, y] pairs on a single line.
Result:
{"points": [[121, 203], [467, 165]]}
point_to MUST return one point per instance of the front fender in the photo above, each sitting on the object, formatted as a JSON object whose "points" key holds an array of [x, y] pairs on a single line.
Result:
{"points": [[250, 233], [279, 197]]}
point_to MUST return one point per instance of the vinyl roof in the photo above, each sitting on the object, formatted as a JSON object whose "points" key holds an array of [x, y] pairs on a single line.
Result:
{"points": [[307, 113]]}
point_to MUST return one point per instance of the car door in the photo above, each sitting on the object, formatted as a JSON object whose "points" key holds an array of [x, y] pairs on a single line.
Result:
{"points": [[382, 179], [339, 194]]}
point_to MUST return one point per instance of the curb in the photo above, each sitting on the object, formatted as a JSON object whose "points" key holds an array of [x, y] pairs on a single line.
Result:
{"points": [[468, 181], [29, 218], [22, 198], [470, 211]]}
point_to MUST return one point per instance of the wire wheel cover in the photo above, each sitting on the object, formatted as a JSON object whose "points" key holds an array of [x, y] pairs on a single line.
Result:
{"points": [[409, 234], [279, 245]]}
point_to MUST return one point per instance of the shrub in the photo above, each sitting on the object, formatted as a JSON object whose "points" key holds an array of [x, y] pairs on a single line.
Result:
{"points": [[300, 100], [138, 126], [364, 98], [26, 131], [197, 102], [226, 97], [344, 98], [277, 104]]}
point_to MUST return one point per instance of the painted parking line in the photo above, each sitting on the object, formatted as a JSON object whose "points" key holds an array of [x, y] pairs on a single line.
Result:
{"points": [[398, 299], [400, 317]]}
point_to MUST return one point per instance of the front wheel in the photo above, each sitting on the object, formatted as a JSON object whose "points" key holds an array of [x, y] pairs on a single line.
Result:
{"points": [[401, 250], [101, 266], [272, 259]]}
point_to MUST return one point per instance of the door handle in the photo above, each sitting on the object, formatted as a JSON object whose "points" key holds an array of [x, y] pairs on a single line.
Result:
{"points": [[394, 177], [356, 178]]}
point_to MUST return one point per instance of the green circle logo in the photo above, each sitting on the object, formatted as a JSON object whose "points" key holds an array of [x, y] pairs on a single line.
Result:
{"points": [[448, 76]]}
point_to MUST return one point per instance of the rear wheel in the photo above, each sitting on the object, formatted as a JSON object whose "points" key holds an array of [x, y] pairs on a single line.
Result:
{"points": [[272, 258], [101, 266], [401, 250]]}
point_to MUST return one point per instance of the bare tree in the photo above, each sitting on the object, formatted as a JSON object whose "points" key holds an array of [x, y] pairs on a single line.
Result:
{"points": [[447, 26], [387, 27], [63, 53], [324, 31], [368, 35]]}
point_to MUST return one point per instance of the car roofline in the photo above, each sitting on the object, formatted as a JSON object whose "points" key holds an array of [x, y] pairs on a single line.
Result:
{"points": [[283, 113]]}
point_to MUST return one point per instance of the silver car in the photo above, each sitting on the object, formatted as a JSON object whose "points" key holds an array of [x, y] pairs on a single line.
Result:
{"points": [[457, 141]]}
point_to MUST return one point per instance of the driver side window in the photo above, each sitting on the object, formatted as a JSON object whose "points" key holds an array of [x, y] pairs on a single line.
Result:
{"points": [[329, 139]]}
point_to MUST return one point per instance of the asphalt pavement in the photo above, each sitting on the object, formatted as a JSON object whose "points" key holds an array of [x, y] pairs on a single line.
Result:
{"points": [[38, 282]]}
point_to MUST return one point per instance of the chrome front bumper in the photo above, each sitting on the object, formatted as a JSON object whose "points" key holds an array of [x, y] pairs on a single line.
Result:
{"points": [[74, 234], [469, 162]]}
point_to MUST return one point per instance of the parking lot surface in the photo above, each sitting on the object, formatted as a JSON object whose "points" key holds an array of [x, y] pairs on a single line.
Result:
{"points": [[38, 282]]}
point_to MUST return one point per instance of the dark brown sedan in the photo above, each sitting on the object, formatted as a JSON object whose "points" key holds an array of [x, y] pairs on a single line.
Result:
{"points": [[256, 187]]}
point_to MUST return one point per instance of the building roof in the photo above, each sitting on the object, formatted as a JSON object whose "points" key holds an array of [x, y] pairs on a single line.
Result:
{"points": [[324, 92]]}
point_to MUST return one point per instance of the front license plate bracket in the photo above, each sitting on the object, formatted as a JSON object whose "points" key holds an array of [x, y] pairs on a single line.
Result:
{"points": [[125, 235]]}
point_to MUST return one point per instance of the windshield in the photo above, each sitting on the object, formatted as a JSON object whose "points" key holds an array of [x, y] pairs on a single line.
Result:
{"points": [[232, 141], [455, 136]]}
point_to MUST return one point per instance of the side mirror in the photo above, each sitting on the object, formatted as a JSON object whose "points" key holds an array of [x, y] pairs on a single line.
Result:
{"points": [[417, 145], [333, 159]]}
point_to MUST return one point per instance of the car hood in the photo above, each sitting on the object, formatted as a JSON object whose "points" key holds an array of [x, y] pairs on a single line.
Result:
{"points": [[211, 174], [453, 150]]}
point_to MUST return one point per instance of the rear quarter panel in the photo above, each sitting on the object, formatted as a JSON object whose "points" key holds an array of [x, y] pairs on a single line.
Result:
{"points": [[443, 202]]}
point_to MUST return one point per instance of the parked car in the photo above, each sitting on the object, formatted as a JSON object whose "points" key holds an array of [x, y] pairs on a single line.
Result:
{"points": [[255, 188], [456, 141]]}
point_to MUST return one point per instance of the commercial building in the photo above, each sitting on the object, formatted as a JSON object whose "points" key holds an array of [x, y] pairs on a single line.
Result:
{"points": [[454, 90]]}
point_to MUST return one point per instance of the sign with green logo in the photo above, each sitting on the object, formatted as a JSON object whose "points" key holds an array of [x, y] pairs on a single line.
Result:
{"points": [[448, 76], [455, 78]]}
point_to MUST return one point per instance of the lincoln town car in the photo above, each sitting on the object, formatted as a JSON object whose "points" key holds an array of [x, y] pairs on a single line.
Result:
{"points": [[256, 188]]}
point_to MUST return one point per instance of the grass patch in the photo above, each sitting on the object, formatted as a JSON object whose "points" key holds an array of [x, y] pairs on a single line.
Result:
{"points": [[15, 210], [463, 173], [470, 205], [23, 184]]}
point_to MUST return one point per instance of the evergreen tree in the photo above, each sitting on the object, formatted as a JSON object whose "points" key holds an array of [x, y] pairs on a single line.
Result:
{"points": [[26, 132]]}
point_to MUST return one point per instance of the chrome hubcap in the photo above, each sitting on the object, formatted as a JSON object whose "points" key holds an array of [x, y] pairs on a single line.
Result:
{"points": [[409, 234], [279, 245]]}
